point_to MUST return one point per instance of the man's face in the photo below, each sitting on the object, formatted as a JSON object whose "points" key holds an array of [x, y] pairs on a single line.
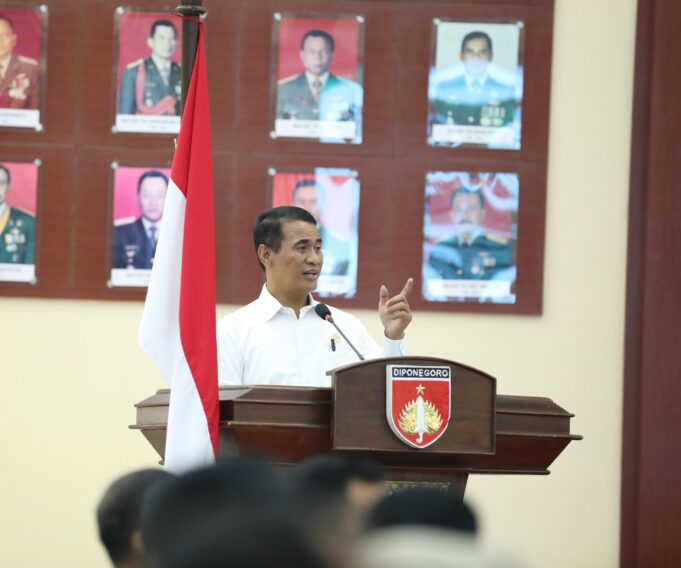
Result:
{"points": [[316, 55], [466, 209], [4, 187], [8, 39], [152, 197], [306, 197], [163, 43], [476, 56], [295, 268]]}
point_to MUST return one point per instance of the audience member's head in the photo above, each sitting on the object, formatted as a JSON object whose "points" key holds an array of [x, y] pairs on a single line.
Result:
{"points": [[118, 515], [197, 499], [262, 535], [358, 481], [424, 506], [409, 546]]}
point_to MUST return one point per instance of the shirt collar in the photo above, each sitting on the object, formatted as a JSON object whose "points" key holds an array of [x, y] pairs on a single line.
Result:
{"points": [[312, 78], [269, 306]]}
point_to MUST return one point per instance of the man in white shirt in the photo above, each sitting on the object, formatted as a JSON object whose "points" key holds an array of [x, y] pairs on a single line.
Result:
{"points": [[279, 339]]}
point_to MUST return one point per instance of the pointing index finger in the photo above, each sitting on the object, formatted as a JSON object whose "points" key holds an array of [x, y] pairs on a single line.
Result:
{"points": [[407, 288]]}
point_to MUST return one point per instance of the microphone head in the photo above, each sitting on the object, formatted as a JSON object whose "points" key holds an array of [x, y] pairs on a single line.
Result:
{"points": [[323, 311]]}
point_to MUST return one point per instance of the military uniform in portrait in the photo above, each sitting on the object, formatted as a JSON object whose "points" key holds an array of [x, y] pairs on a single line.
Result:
{"points": [[132, 246], [480, 258], [17, 231], [144, 90], [474, 102], [19, 83], [338, 99]]}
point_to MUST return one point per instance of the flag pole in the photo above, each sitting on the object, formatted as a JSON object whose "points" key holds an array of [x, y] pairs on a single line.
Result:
{"points": [[190, 11]]}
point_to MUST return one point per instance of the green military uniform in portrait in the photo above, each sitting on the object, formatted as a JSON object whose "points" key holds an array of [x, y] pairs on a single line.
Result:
{"points": [[145, 90], [17, 237], [480, 258]]}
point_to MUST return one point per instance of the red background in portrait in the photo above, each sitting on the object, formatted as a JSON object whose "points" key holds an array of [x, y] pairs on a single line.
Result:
{"points": [[133, 33], [345, 33], [23, 188], [28, 28], [337, 211], [125, 191]]}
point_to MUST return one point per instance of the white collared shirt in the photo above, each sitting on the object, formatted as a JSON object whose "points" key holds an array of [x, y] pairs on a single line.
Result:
{"points": [[265, 343]]}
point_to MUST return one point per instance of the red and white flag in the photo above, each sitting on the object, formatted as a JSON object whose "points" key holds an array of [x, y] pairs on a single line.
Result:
{"points": [[178, 323]]}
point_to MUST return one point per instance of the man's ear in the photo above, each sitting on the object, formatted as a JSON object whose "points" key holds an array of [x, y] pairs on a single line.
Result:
{"points": [[265, 255], [150, 43]]}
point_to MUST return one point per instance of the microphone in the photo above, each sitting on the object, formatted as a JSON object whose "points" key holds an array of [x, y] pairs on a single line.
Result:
{"points": [[323, 311]]}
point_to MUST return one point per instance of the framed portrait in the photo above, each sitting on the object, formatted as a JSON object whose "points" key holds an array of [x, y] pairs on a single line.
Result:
{"points": [[18, 209], [139, 196], [148, 72], [317, 75], [475, 87], [331, 195], [470, 233], [23, 62]]}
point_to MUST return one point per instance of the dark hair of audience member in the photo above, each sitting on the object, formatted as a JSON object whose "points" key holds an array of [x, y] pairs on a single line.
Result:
{"points": [[192, 503], [255, 536], [119, 511], [423, 506], [333, 473]]}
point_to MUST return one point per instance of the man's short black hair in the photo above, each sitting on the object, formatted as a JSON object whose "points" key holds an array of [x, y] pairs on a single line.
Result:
{"points": [[463, 190], [331, 473], [232, 486], [328, 38], [5, 169], [476, 35], [119, 511], [268, 228], [425, 506], [150, 174], [10, 23], [162, 23]]}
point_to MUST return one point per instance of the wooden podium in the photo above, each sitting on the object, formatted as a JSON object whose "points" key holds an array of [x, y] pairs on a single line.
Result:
{"points": [[487, 433]]}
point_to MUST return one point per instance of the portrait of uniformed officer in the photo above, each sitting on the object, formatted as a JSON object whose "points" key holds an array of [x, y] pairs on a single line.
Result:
{"points": [[134, 244], [18, 74], [318, 94], [474, 98], [307, 195], [152, 86], [471, 254], [17, 227]]}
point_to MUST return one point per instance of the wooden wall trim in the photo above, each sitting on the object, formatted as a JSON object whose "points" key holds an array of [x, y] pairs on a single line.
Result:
{"points": [[651, 457]]}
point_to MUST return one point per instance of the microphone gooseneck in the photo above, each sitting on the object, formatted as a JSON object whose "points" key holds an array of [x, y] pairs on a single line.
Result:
{"points": [[323, 311]]}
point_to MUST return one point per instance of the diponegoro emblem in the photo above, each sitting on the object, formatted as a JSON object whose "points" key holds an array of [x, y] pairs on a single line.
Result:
{"points": [[418, 403]]}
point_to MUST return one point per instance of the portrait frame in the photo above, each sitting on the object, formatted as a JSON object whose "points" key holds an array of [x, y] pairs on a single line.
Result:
{"points": [[22, 90], [475, 85], [335, 194], [470, 237], [154, 108], [335, 113], [129, 251], [19, 223]]}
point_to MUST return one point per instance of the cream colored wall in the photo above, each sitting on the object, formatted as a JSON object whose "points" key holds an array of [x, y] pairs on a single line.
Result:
{"points": [[71, 369]]}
